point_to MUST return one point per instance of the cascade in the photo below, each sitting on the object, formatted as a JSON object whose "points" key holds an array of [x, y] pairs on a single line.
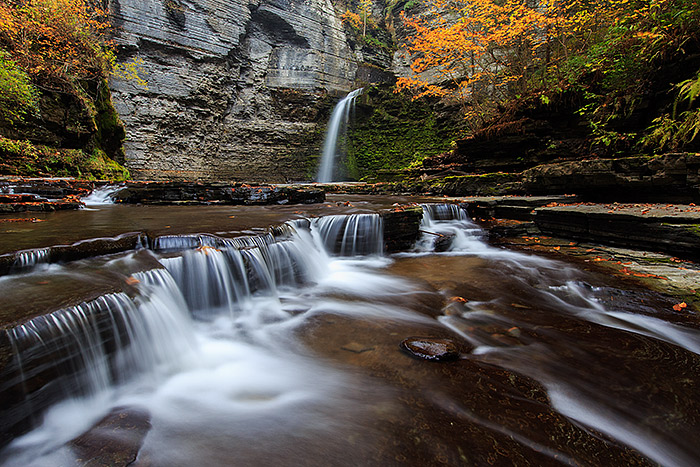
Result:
{"points": [[85, 350], [28, 258], [101, 196], [448, 227], [209, 339], [337, 127], [352, 235], [91, 350]]}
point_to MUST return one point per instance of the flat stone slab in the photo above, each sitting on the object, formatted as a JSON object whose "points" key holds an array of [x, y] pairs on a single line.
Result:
{"points": [[25, 259], [114, 440], [510, 207], [668, 228], [646, 212]]}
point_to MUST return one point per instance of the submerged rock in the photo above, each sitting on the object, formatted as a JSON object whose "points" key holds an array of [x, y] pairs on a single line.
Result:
{"points": [[431, 348], [115, 440], [443, 242]]}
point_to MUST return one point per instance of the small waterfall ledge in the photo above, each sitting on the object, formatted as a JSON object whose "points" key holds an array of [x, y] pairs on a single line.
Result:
{"points": [[88, 348], [246, 340]]}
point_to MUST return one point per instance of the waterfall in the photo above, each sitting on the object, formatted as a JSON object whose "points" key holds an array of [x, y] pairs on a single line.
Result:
{"points": [[279, 348], [336, 127], [28, 258], [353, 235], [447, 227], [86, 350], [101, 196], [76, 357]]}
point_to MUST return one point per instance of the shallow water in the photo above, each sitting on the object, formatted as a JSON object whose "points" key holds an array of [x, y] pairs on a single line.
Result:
{"points": [[108, 220], [558, 366]]}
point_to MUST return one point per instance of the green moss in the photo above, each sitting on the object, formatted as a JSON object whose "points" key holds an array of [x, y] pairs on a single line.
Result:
{"points": [[690, 228], [110, 129], [693, 229], [392, 132], [23, 158]]}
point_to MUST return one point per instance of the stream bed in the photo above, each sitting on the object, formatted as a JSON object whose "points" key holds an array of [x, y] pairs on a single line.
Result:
{"points": [[286, 349]]}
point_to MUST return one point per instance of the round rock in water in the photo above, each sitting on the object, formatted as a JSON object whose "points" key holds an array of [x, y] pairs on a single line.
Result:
{"points": [[431, 348]]}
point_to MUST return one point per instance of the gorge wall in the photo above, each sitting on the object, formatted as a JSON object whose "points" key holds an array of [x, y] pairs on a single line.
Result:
{"points": [[236, 90]]}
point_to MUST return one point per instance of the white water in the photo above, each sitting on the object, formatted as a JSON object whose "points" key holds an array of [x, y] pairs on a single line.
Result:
{"points": [[212, 349], [576, 399], [209, 343], [337, 126], [29, 258], [101, 196]]}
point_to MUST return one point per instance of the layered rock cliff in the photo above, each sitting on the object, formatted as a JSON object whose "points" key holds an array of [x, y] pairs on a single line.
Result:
{"points": [[236, 89]]}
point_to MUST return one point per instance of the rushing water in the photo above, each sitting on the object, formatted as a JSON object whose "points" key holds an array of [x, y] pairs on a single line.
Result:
{"points": [[337, 128], [101, 196], [284, 350]]}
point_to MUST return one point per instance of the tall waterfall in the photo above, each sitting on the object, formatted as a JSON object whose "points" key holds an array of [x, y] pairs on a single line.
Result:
{"points": [[336, 127]]}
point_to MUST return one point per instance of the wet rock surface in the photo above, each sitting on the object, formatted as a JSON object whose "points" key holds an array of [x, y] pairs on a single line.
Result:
{"points": [[401, 227], [115, 440], [673, 178], [673, 229], [19, 195], [669, 228], [25, 259], [430, 348], [215, 193]]}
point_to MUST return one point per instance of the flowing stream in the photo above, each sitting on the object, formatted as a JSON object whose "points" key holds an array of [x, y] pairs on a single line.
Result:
{"points": [[283, 349]]}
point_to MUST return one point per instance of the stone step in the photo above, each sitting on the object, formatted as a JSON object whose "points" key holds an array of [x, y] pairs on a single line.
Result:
{"points": [[673, 229]]}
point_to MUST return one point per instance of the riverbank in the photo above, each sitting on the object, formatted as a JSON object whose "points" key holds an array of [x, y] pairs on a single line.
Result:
{"points": [[655, 245]]}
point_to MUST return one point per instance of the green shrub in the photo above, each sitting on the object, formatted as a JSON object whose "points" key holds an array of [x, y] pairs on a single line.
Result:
{"points": [[18, 97], [26, 159]]}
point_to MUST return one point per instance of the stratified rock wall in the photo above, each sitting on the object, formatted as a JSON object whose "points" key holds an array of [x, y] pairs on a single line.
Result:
{"points": [[236, 89]]}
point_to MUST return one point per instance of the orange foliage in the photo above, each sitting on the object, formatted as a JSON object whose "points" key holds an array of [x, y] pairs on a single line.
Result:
{"points": [[476, 50], [353, 19], [57, 42]]}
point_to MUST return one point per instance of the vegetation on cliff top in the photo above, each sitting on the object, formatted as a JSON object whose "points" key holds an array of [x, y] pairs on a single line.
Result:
{"points": [[57, 51], [628, 68]]}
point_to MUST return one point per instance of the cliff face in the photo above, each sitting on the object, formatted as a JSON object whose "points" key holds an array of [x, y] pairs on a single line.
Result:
{"points": [[236, 89]]}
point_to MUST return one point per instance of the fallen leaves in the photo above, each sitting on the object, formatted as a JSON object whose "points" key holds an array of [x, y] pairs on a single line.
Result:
{"points": [[207, 249], [26, 219], [680, 306]]}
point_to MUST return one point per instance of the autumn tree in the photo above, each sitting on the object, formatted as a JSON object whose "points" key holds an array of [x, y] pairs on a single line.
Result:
{"points": [[482, 51], [366, 11], [18, 97], [362, 19], [476, 47], [56, 42]]}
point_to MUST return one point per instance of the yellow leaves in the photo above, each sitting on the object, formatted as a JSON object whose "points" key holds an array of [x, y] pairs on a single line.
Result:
{"points": [[353, 19], [132, 70], [477, 47], [56, 41]]}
